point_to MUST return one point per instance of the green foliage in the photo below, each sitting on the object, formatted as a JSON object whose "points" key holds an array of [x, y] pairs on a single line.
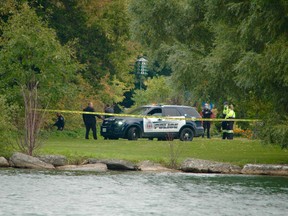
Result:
{"points": [[112, 90], [275, 130], [35, 65], [31, 54], [271, 72], [101, 32], [221, 50], [7, 129], [158, 91], [166, 22], [177, 39], [215, 51], [260, 71]]}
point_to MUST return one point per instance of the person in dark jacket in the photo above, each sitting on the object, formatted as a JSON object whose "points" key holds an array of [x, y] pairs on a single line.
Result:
{"points": [[60, 122], [206, 113], [108, 109], [90, 121]]}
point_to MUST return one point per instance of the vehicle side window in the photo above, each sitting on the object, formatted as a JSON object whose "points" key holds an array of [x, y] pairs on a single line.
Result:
{"points": [[191, 112], [155, 112], [171, 111]]}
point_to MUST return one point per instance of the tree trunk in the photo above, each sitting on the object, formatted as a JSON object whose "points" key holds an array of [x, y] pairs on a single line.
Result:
{"points": [[29, 141]]}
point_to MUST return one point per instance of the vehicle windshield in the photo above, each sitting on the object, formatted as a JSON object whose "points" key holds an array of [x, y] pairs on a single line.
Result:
{"points": [[139, 111]]}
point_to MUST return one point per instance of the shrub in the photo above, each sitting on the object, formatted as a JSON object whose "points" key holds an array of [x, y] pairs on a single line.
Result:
{"points": [[238, 132], [275, 130], [6, 127]]}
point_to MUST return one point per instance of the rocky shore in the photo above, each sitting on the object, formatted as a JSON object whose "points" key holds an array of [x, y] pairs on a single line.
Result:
{"points": [[191, 165]]}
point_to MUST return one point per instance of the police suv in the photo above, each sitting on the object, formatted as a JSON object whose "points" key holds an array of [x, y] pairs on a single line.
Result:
{"points": [[165, 122]]}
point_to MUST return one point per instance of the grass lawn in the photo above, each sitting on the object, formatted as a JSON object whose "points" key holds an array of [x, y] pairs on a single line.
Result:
{"points": [[238, 151]]}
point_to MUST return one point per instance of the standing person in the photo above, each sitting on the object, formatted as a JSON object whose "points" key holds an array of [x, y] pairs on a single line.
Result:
{"points": [[90, 121], [206, 113], [60, 122], [108, 109], [116, 108], [224, 123], [230, 124]]}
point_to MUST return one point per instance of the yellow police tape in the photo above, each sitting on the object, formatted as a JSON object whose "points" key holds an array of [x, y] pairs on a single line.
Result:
{"points": [[145, 116]]}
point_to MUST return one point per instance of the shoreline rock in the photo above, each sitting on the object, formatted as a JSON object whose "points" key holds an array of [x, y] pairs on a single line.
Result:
{"points": [[97, 167], [3, 162], [114, 164], [206, 166], [155, 167], [21, 160], [265, 169], [55, 160]]}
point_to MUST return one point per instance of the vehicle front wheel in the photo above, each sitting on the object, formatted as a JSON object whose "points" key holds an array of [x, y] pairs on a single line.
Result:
{"points": [[133, 133], [186, 134]]}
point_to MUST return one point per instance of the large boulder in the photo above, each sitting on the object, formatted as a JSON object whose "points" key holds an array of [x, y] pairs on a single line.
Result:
{"points": [[205, 166], [150, 166], [97, 167], [3, 162], [265, 169], [20, 160], [55, 160], [114, 164]]}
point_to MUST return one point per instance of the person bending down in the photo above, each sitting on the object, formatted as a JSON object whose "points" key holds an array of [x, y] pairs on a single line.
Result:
{"points": [[60, 122]]}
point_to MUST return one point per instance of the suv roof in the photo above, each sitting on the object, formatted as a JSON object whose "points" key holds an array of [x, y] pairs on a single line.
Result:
{"points": [[184, 110], [160, 105]]}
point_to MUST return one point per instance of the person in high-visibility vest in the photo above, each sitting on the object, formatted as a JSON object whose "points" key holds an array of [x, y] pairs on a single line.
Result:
{"points": [[230, 124], [224, 123]]}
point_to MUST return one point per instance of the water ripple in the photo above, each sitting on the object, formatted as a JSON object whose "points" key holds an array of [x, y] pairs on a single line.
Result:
{"points": [[45, 193]]}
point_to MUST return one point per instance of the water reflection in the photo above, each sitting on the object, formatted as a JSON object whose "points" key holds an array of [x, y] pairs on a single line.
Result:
{"points": [[30, 192]]}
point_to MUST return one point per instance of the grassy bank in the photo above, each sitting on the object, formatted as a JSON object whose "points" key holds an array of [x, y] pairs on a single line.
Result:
{"points": [[237, 151]]}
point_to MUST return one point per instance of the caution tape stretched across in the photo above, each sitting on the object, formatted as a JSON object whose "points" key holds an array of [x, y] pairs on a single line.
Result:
{"points": [[145, 116]]}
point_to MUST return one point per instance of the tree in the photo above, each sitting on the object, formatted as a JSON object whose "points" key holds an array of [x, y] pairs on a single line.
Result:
{"points": [[35, 65], [222, 50], [101, 32], [112, 91], [158, 90], [176, 37], [258, 69]]}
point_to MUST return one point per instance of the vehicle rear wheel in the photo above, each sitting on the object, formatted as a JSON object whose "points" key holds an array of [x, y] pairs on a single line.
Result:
{"points": [[186, 134], [133, 133]]}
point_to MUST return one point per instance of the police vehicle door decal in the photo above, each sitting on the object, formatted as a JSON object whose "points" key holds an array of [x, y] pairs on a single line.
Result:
{"points": [[162, 125]]}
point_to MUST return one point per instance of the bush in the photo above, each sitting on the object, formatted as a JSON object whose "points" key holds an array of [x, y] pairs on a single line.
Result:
{"points": [[7, 128], [275, 130], [238, 132]]}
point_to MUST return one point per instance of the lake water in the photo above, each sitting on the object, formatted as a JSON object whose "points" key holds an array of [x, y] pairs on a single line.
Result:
{"points": [[30, 192]]}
